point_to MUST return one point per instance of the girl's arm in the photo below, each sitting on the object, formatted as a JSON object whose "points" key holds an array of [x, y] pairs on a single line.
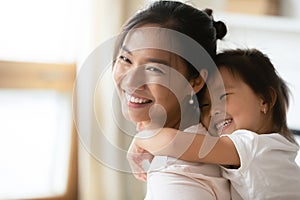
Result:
{"points": [[187, 146], [135, 156]]}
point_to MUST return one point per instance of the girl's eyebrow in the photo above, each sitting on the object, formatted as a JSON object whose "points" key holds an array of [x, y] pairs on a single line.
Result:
{"points": [[222, 87]]}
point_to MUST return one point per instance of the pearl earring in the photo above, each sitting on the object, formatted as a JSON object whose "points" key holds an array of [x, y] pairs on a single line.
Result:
{"points": [[265, 110], [191, 101]]}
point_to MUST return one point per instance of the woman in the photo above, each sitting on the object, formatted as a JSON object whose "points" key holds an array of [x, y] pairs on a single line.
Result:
{"points": [[162, 59]]}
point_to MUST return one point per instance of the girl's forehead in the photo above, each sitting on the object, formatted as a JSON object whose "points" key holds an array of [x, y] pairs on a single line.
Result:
{"points": [[220, 80], [222, 75]]}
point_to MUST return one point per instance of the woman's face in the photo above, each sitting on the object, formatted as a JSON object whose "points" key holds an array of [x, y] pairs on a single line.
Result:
{"points": [[146, 77], [238, 107]]}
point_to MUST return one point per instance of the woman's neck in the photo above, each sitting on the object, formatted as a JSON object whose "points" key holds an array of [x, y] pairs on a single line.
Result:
{"points": [[152, 125]]}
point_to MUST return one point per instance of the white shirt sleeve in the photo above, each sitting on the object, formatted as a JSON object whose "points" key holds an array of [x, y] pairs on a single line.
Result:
{"points": [[268, 169]]}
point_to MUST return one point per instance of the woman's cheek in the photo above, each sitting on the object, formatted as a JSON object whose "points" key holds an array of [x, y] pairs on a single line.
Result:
{"points": [[205, 119], [118, 73]]}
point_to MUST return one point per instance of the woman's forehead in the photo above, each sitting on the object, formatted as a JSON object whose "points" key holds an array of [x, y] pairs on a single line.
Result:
{"points": [[150, 37]]}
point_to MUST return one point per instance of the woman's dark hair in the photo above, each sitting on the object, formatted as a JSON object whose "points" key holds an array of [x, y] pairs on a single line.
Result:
{"points": [[257, 71], [197, 24]]}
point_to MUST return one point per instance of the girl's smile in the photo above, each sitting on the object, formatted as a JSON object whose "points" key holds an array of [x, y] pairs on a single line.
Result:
{"points": [[223, 125], [238, 107]]}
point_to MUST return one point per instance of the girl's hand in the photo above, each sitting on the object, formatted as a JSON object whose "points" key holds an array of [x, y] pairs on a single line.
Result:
{"points": [[135, 156]]}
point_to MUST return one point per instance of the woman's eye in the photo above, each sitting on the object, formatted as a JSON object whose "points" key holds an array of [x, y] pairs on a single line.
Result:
{"points": [[125, 59], [204, 108], [204, 105], [154, 69]]}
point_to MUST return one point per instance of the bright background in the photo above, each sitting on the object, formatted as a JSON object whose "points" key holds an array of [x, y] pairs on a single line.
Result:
{"points": [[67, 31]]}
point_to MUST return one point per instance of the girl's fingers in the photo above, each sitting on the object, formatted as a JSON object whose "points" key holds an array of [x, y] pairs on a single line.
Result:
{"points": [[135, 157], [143, 177], [138, 171]]}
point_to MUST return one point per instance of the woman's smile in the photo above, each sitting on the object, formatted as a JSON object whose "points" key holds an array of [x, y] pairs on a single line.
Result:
{"points": [[136, 101]]}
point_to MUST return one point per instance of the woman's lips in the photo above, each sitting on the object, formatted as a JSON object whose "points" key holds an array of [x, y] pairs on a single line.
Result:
{"points": [[135, 101]]}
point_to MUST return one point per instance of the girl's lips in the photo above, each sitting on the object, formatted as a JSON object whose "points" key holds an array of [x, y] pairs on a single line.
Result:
{"points": [[222, 125]]}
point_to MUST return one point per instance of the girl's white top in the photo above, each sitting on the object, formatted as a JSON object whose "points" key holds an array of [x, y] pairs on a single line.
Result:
{"points": [[268, 169]]}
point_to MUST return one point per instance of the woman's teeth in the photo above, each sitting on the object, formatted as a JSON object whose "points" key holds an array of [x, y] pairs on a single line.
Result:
{"points": [[133, 99], [223, 124]]}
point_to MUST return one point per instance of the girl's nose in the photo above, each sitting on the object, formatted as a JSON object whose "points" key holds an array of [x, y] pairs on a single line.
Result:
{"points": [[217, 108], [217, 105], [214, 111]]}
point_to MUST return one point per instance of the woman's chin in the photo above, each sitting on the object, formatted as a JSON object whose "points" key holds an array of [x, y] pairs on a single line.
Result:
{"points": [[134, 117], [135, 114]]}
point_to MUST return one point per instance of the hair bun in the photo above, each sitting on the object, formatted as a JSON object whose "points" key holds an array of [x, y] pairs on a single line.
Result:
{"points": [[221, 29], [208, 11]]}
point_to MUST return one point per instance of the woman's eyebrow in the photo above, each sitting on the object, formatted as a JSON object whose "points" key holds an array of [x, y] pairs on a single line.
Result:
{"points": [[124, 48], [150, 60], [159, 61]]}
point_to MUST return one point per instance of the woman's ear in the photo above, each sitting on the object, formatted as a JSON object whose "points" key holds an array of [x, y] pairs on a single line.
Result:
{"points": [[198, 82]]}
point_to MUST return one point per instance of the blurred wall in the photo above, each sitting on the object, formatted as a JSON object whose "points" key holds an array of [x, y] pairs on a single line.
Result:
{"points": [[98, 22]]}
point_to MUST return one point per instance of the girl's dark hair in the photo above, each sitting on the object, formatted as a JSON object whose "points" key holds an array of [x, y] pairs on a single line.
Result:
{"points": [[197, 24], [257, 71]]}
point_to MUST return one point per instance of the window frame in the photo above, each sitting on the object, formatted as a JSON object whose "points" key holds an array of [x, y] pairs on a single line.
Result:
{"points": [[58, 77]]}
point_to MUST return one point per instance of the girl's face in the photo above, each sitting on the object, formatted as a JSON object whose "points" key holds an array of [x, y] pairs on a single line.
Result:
{"points": [[145, 77], [236, 108]]}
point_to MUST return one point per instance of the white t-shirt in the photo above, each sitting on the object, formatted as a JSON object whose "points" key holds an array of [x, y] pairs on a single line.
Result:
{"points": [[268, 169]]}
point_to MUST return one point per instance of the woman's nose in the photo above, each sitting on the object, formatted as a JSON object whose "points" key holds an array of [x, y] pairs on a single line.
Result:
{"points": [[134, 79]]}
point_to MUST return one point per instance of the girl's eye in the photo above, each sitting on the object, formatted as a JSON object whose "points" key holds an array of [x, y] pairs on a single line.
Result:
{"points": [[154, 69], [223, 96], [125, 59]]}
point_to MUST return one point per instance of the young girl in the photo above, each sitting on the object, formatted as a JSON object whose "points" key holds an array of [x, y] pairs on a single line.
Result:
{"points": [[255, 148]]}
